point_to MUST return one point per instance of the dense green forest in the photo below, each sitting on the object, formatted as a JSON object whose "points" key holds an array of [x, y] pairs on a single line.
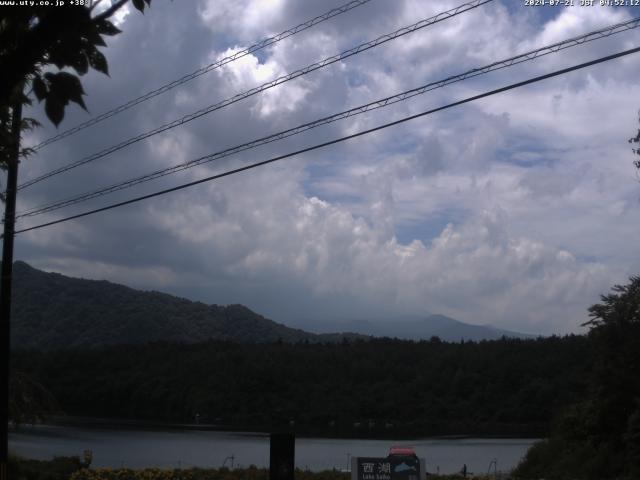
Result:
{"points": [[381, 387]]}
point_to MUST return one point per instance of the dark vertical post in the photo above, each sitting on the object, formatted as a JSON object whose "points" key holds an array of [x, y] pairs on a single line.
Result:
{"points": [[282, 456], [5, 279]]}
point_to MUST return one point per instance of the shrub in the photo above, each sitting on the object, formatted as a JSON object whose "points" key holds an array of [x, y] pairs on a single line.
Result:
{"points": [[60, 468]]}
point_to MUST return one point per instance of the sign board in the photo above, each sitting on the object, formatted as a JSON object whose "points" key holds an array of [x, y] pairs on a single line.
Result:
{"points": [[393, 467]]}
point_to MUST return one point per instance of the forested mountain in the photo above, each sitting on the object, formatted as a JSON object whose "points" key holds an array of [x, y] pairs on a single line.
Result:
{"points": [[380, 387], [52, 311], [107, 350]]}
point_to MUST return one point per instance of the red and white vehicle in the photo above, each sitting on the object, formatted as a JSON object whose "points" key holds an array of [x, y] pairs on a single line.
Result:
{"points": [[402, 452]]}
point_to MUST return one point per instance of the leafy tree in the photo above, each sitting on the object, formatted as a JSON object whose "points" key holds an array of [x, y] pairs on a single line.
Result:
{"points": [[37, 44], [29, 400], [620, 309], [615, 330], [636, 151], [600, 436], [632, 439], [33, 39]]}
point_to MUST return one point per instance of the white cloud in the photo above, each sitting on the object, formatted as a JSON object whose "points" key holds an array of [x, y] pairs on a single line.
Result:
{"points": [[516, 210], [245, 19], [572, 22], [477, 271], [121, 15], [248, 73]]}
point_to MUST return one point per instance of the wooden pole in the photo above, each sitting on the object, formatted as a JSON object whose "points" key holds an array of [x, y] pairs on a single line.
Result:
{"points": [[282, 456]]}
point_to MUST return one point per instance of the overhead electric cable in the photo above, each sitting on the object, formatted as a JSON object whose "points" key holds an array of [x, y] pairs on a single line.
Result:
{"points": [[201, 71], [528, 56], [265, 86], [337, 140]]}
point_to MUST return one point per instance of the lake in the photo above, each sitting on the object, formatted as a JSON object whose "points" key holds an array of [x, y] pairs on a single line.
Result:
{"points": [[188, 448]]}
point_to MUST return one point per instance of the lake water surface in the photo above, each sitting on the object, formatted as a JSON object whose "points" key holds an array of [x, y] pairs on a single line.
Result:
{"points": [[188, 448]]}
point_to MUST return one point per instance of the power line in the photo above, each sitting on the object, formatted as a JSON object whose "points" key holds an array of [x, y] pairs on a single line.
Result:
{"points": [[265, 86], [338, 140], [201, 71], [524, 57]]}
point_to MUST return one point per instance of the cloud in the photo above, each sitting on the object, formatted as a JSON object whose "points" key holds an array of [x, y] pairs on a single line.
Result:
{"points": [[516, 210], [247, 72], [254, 229]]}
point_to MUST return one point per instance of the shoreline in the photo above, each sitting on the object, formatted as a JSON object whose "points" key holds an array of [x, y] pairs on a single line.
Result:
{"points": [[90, 423]]}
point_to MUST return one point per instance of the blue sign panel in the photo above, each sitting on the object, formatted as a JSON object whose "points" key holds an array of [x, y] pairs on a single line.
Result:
{"points": [[393, 467]]}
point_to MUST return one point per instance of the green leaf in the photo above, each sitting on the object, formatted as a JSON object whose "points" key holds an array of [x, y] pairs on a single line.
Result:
{"points": [[94, 37], [80, 63], [79, 100], [25, 152], [39, 88], [54, 109], [67, 87], [138, 4], [105, 27], [68, 83], [98, 62], [57, 61]]}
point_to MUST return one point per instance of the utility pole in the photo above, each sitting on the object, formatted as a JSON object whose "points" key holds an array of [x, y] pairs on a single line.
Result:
{"points": [[5, 279], [282, 456]]}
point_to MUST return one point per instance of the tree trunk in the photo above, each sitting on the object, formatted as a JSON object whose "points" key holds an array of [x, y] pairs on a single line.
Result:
{"points": [[5, 279]]}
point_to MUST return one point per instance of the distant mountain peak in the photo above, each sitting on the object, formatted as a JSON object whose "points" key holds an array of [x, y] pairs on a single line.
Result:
{"points": [[417, 328]]}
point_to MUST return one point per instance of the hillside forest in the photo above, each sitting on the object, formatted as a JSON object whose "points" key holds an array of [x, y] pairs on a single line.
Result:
{"points": [[578, 392]]}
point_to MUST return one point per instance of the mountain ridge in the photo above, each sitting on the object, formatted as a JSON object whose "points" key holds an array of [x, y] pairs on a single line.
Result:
{"points": [[416, 328], [53, 311]]}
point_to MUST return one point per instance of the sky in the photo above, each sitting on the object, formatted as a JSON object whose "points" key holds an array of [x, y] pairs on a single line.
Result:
{"points": [[517, 210]]}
